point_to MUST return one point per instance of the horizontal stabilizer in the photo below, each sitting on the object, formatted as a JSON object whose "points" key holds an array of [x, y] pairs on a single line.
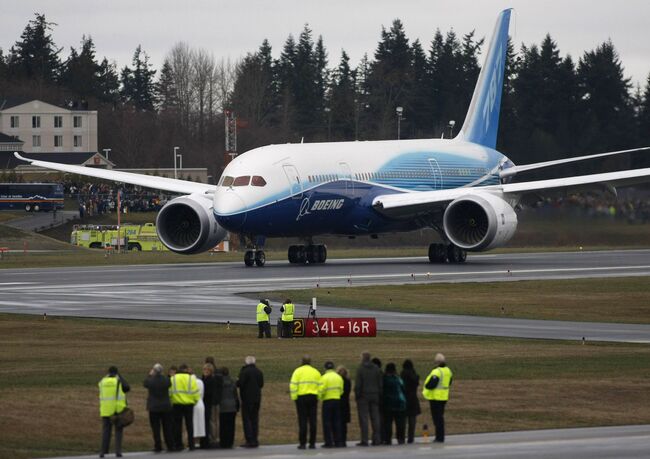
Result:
{"points": [[509, 172]]}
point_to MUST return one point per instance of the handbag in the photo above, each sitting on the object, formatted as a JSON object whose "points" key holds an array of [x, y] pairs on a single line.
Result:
{"points": [[125, 417]]}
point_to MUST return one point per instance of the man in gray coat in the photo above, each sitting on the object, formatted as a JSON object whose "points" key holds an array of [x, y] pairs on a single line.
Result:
{"points": [[368, 388]]}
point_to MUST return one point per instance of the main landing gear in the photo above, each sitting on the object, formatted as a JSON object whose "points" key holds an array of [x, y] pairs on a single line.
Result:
{"points": [[440, 253], [254, 257], [312, 254]]}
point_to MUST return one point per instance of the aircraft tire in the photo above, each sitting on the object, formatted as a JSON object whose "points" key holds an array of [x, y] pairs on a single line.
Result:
{"points": [[249, 258], [455, 254], [437, 253], [260, 258], [311, 252], [322, 253], [291, 254], [301, 254], [28, 207]]}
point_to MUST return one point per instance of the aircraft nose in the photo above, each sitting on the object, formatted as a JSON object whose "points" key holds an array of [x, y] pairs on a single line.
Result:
{"points": [[230, 210]]}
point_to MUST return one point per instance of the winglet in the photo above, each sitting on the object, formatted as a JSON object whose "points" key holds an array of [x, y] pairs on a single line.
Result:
{"points": [[20, 157], [482, 120]]}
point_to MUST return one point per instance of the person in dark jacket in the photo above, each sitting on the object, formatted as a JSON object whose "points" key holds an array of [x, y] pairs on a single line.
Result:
{"points": [[228, 410], [411, 382], [250, 383], [368, 387], [160, 408], [216, 383], [394, 403], [345, 404], [113, 406]]}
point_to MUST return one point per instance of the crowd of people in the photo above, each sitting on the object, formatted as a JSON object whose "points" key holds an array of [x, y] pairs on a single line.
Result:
{"points": [[97, 199], [207, 404], [633, 209]]}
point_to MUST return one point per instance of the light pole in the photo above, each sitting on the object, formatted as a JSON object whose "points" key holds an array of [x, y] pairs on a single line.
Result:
{"points": [[175, 155], [452, 123], [106, 152], [399, 111], [180, 157]]}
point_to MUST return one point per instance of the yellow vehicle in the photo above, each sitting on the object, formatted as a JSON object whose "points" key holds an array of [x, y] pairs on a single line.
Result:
{"points": [[131, 237]]}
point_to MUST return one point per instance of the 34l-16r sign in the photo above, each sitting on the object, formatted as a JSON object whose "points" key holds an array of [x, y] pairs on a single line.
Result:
{"points": [[332, 327]]}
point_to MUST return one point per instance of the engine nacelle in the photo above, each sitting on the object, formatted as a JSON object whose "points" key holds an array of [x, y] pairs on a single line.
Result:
{"points": [[187, 225], [479, 222]]}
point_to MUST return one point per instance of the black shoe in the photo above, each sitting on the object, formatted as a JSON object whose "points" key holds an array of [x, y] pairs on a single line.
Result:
{"points": [[302, 447], [327, 445], [312, 446], [118, 455], [362, 443]]}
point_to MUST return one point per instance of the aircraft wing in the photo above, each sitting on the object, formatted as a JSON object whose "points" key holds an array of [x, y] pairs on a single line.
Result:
{"points": [[147, 181], [529, 167], [414, 203]]}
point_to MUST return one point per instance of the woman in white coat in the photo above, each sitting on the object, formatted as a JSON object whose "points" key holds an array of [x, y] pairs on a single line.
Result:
{"points": [[198, 417]]}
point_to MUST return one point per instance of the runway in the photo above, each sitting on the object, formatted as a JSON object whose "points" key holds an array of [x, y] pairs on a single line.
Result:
{"points": [[588, 443], [210, 292]]}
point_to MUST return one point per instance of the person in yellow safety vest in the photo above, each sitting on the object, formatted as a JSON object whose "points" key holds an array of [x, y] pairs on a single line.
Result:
{"points": [[304, 388], [263, 320], [436, 390], [287, 310], [184, 394], [112, 400], [331, 390]]}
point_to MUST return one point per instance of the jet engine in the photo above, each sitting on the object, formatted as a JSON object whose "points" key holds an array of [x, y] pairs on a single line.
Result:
{"points": [[187, 225], [479, 222]]}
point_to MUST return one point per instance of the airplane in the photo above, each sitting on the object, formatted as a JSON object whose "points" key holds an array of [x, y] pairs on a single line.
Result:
{"points": [[461, 187]]}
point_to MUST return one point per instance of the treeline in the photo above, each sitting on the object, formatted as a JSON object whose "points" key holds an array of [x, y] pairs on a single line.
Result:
{"points": [[552, 105]]}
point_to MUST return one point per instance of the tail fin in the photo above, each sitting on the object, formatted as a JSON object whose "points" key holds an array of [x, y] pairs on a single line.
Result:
{"points": [[482, 120]]}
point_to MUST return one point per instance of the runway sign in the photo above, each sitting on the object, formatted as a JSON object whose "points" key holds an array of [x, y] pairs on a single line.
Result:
{"points": [[330, 327]]}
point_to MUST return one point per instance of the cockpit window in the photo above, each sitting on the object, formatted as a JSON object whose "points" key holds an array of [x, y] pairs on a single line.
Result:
{"points": [[242, 180], [227, 181], [258, 181]]}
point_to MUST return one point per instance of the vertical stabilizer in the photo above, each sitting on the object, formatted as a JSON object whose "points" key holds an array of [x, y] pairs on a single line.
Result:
{"points": [[482, 120]]}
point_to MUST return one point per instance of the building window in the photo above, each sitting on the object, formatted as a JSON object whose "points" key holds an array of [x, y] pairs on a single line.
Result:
{"points": [[77, 121], [58, 140], [58, 121], [36, 141], [36, 122], [77, 141], [14, 122]]}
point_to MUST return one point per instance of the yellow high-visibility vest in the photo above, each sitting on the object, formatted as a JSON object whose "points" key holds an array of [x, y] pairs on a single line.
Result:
{"points": [[331, 386], [184, 390], [112, 399], [262, 316], [287, 314], [305, 380], [441, 391]]}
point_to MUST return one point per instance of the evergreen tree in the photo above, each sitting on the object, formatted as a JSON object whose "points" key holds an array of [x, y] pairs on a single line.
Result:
{"points": [[446, 74], [341, 120], [286, 77], [137, 83], [362, 100], [508, 122], [305, 90], [421, 96], [36, 56], [4, 71], [605, 111], [166, 93], [644, 116], [108, 83], [391, 79], [80, 71]]}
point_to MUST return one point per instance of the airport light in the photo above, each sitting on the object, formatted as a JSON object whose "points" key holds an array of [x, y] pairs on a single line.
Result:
{"points": [[399, 111], [175, 157], [451, 125]]}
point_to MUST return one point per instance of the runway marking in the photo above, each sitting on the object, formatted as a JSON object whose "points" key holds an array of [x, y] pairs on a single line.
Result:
{"points": [[406, 276]]}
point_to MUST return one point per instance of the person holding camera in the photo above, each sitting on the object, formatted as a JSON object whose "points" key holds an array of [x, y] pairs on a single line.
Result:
{"points": [[159, 407]]}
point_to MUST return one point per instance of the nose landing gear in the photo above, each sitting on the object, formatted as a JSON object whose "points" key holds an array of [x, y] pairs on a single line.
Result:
{"points": [[255, 257]]}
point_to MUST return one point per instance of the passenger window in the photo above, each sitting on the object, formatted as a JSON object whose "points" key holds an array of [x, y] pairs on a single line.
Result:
{"points": [[242, 180], [258, 181], [227, 181]]}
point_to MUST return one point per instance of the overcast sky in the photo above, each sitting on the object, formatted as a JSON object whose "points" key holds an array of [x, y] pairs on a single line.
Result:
{"points": [[230, 29]]}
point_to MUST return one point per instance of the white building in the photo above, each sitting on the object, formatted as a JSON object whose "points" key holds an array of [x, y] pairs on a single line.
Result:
{"points": [[47, 128]]}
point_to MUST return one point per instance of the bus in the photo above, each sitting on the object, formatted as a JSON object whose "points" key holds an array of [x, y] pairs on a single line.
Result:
{"points": [[33, 197]]}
